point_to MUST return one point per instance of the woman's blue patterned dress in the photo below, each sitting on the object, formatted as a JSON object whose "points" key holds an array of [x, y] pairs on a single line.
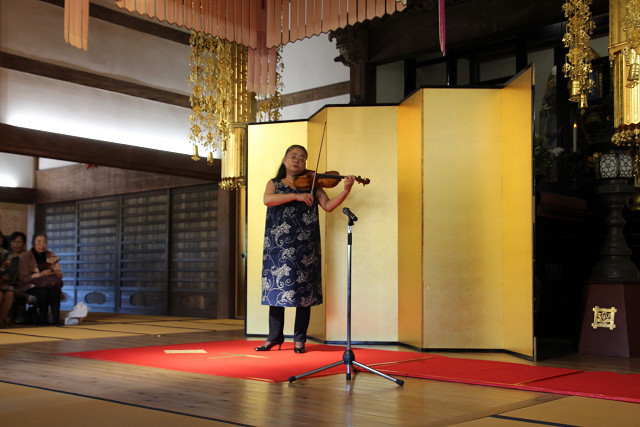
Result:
{"points": [[291, 255]]}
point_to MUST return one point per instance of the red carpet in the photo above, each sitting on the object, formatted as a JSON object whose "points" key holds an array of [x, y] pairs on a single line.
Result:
{"points": [[483, 372], [602, 385], [237, 359]]}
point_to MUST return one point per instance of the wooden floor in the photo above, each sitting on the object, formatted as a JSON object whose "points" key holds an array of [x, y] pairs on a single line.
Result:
{"points": [[40, 387]]}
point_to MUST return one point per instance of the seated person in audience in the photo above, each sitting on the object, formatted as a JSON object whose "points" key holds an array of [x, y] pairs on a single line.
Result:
{"points": [[8, 283], [18, 245], [40, 271]]}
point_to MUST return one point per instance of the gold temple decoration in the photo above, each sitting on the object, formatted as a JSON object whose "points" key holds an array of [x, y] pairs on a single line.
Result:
{"points": [[220, 104], [234, 172], [234, 169], [604, 318], [624, 36], [233, 164], [210, 81], [631, 26], [577, 67]]}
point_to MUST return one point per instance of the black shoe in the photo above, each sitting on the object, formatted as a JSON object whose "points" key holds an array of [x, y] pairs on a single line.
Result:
{"points": [[299, 349], [268, 346]]}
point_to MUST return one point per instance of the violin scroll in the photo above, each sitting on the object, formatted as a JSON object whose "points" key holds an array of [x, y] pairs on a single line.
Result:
{"points": [[363, 181]]}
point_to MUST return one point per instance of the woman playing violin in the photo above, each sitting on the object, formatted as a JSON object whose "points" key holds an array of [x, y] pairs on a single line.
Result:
{"points": [[291, 257]]}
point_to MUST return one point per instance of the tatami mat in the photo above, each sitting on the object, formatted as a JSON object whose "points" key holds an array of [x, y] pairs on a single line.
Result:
{"points": [[236, 322], [569, 411], [32, 334], [15, 338], [109, 325], [61, 409], [128, 318], [137, 328], [205, 326]]}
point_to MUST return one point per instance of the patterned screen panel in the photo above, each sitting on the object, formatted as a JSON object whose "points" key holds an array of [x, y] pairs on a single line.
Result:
{"points": [[144, 253]]}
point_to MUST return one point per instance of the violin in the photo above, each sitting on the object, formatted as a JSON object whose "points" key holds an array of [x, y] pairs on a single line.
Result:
{"points": [[329, 179]]}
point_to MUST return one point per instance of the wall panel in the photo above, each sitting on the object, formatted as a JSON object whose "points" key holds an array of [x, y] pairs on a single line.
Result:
{"points": [[144, 253]]}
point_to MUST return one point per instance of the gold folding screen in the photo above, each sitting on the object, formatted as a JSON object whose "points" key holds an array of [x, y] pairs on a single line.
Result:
{"points": [[517, 215], [443, 248], [465, 218]]}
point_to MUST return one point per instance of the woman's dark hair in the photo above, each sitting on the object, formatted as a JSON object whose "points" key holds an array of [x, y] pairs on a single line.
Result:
{"points": [[17, 234], [33, 239], [282, 171]]}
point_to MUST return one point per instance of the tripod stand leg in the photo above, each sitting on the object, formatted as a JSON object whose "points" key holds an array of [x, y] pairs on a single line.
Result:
{"points": [[365, 367], [292, 379]]}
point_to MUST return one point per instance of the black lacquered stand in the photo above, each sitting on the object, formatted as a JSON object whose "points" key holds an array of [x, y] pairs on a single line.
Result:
{"points": [[348, 357]]}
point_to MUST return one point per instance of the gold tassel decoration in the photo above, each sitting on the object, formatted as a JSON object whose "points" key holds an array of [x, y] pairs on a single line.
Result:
{"points": [[195, 156], [631, 27], [220, 104], [203, 79], [624, 37], [211, 93], [624, 40], [577, 67]]}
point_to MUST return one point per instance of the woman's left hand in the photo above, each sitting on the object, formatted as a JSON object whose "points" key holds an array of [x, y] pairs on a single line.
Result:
{"points": [[348, 182]]}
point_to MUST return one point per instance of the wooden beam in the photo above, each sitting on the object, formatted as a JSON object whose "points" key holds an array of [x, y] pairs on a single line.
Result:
{"points": [[315, 94], [69, 75], [80, 182], [29, 142], [25, 196]]}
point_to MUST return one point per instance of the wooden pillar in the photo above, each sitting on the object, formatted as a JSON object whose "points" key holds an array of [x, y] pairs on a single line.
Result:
{"points": [[363, 84], [409, 75], [352, 43], [227, 248]]}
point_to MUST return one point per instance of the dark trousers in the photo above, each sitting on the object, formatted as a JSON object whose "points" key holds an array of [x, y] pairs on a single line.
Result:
{"points": [[276, 324], [47, 297]]}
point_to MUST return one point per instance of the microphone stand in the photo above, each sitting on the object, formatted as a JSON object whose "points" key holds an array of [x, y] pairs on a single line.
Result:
{"points": [[348, 357]]}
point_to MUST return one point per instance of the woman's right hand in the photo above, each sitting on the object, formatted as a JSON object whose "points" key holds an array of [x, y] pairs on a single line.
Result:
{"points": [[306, 198]]}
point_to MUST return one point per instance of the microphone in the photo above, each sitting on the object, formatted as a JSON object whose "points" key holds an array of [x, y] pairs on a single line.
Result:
{"points": [[350, 214]]}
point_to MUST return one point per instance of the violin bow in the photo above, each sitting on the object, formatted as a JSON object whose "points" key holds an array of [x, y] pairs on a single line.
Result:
{"points": [[315, 172]]}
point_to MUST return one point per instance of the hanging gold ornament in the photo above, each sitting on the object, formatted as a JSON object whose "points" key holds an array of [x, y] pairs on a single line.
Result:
{"points": [[631, 26], [624, 41], [195, 156], [210, 79], [221, 104], [577, 67]]}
